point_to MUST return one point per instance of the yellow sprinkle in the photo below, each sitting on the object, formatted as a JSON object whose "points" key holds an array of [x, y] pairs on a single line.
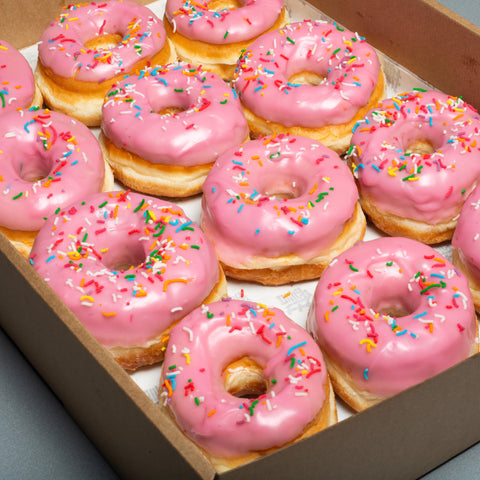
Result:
{"points": [[87, 297], [369, 343], [187, 356]]}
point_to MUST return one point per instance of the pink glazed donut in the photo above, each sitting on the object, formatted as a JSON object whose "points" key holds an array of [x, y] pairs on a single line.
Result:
{"points": [[388, 314], [242, 379], [90, 46], [416, 158], [279, 209], [163, 129], [128, 266], [47, 161], [17, 86], [213, 33], [465, 242], [309, 78]]}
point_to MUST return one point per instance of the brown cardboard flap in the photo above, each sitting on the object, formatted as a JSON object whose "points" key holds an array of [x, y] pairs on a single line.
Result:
{"points": [[421, 35], [127, 427], [401, 438]]}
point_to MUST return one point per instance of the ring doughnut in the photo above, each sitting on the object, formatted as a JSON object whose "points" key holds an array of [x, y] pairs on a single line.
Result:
{"points": [[388, 314], [219, 347], [88, 47], [416, 158], [465, 244], [17, 85], [47, 160], [279, 209], [309, 78], [163, 129], [213, 33], [129, 266]]}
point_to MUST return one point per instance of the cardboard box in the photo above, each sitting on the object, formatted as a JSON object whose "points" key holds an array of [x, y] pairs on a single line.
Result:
{"points": [[403, 437]]}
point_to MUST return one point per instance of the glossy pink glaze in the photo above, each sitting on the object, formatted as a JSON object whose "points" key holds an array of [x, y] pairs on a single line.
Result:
{"points": [[82, 252], [62, 44], [211, 119], [17, 86], [242, 217], [47, 160], [425, 187], [196, 21], [385, 354], [466, 237], [205, 342], [349, 65]]}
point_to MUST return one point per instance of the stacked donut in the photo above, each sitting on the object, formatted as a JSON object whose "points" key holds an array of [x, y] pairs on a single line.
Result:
{"points": [[280, 134]]}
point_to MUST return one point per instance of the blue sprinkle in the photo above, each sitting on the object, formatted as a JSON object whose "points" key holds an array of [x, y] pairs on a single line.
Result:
{"points": [[294, 347], [50, 258], [257, 231], [376, 168], [365, 374], [420, 314], [240, 208]]}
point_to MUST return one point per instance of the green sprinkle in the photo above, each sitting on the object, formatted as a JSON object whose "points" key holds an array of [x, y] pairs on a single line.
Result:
{"points": [[85, 238], [335, 52], [173, 367], [274, 381], [224, 102], [334, 308], [197, 401], [292, 41], [389, 264], [140, 206], [419, 89], [18, 196], [352, 267], [178, 89], [195, 246], [103, 204], [226, 33]]}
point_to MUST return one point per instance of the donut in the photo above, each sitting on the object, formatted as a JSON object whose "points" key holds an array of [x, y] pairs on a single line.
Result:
{"points": [[241, 380], [47, 160], [90, 46], [416, 159], [465, 254], [17, 85], [309, 78], [388, 314], [213, 33], [129, 266], [279, 209], [163, 129]]}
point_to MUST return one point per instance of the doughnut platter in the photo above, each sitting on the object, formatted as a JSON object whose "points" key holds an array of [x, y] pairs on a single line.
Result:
{"points": [[294, 299]]}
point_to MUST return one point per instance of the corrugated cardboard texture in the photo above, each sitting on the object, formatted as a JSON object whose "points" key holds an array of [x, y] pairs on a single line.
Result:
{"points": [[438, 45]]}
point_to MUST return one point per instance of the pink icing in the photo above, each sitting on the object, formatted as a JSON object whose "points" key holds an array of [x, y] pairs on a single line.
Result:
{"points": [[349, 65], [17, 87], [47, 161], [425, 187], [82, 252], [205, 342], [467, 234], [243, 218], [196, 21], [384, 353], [211, 120], [62, 46]]}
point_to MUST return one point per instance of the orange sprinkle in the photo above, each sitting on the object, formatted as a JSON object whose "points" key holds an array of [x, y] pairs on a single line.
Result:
{"points": [[172, 280]]}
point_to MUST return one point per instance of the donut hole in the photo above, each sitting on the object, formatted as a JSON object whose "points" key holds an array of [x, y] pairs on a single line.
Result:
{"points": [[131, 256], [174, 110], [217, 5], [32, 169], [306, 78], [104, 42], [244, 378], [397, 305], [282, 187], [420, 147]]}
